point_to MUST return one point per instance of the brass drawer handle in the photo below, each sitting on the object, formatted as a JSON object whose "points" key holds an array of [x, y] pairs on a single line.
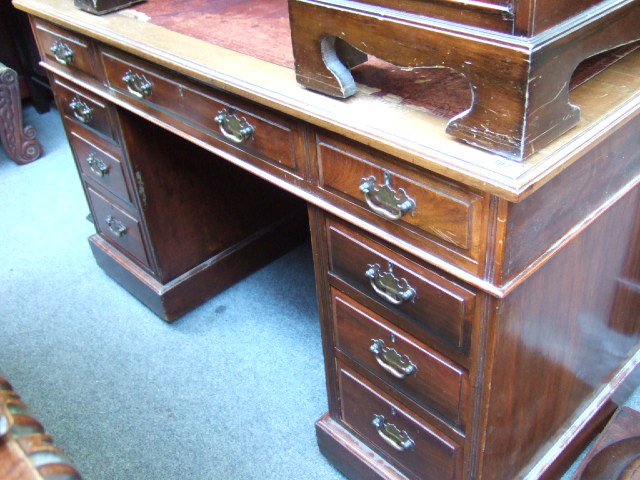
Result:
{"points": [[386, 201], [398, 439], [393, 362], [236, 129], [81, 110], [137, 84], [62, 52], [387, 286], [97, 165], [116, 226]]}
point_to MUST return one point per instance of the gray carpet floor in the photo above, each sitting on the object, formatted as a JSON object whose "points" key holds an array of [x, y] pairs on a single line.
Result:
{"points": [[230, 391]]}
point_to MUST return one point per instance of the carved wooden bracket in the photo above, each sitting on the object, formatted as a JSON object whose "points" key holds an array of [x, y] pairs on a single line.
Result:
{"points": [[19, 142], [520, 84]]}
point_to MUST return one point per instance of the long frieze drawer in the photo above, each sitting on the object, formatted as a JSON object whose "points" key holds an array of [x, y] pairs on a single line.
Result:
{"points": [[84, 108], [118, 226], [404, 201], [414, 447], [403, 362], [100, 162], [65, 49], [439, 305], [244, 126]]}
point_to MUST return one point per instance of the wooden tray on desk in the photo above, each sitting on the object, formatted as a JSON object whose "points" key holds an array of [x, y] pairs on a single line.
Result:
{"points": [[518, 57]]}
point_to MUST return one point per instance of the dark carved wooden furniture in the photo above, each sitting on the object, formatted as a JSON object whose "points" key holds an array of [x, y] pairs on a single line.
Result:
{"points": [[19, 141], [517, 56], [616, 453], [27, 452], [18, 80], [478, 314]]}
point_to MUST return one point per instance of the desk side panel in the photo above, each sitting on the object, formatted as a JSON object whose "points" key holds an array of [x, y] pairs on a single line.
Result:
{"points": [[545, 217], [559, 338]]}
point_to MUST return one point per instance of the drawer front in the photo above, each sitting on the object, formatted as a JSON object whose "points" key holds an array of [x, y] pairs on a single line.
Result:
{"points": [[118, 226], [84, 108], [438, 305], [414, 447], [63, 48], [101, 163], [240, 125], [423, 209], [402, 361]]}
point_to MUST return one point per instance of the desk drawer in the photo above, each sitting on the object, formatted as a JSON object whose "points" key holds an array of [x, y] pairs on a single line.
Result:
{"points": [[403, 362], [415, 448], [241, 125], [66, 50], [438, 305], [437, 215], [119, 227], [100, 162], [84, 108]]}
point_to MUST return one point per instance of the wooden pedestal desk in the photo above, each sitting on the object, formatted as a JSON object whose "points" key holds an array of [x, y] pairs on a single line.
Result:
{"points": [[479, 315]]}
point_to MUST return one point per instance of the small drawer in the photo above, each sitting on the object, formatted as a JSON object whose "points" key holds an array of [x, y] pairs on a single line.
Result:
{"points": [[414, 447], [101, 163], [63, 48], [84, 108], [403, 362], [435, 214], [244, 126], [438, 305], [118, 226]]}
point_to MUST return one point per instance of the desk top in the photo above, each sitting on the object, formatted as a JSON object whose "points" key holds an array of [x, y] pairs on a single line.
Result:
{"points": [[410, 133]]}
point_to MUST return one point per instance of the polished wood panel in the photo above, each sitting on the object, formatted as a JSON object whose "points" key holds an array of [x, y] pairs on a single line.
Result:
{"points": [[420, 451], [100, 162], [440, 306], [71, 52], [432, 379], [556, 327], [270, 137], [447, 218], [118, 226], [81, 106], [568, 199]]}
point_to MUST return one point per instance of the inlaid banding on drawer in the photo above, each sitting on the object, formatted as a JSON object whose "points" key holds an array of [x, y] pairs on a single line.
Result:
{"points": [[421, 203], [440, 306], [100, 164], [403, 362], [410, 444], [247, 127], [118, 226], [63, 48], [84, 108]]}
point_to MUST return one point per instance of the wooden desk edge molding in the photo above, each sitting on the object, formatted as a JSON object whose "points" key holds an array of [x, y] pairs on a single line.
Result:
{"points": [[478, 314], [365, 118]]}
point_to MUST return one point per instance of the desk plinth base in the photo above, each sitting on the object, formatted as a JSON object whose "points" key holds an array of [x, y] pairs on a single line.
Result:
{"points": [[356, 460], [351, 456], [177, 297]]}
